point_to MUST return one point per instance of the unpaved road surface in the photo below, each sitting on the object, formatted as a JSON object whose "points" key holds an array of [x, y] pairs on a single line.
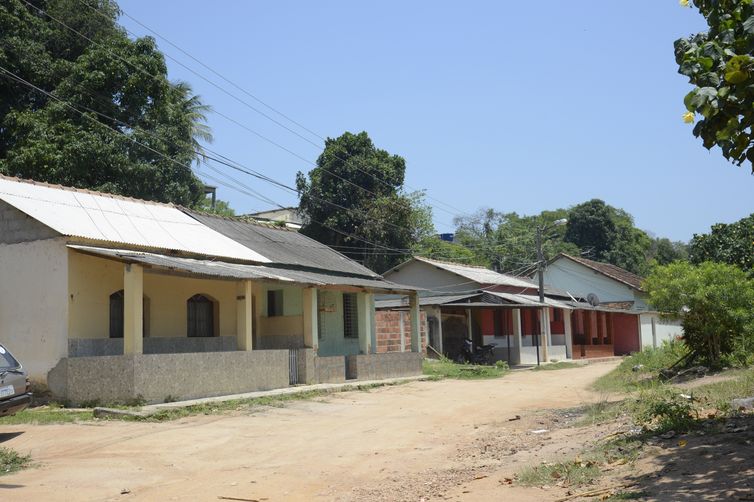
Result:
{"points": [[418, 441]]}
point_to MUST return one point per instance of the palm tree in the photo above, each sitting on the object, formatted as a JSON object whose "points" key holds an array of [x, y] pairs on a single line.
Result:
{"points": [[195, 113]]}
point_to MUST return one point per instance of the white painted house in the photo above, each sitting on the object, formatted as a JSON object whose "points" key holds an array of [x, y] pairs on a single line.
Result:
{"points": [[606, 284]]}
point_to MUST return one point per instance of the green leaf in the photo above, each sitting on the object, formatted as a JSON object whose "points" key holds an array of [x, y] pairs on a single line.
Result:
{"points": [[748, 25], [736, 76]]}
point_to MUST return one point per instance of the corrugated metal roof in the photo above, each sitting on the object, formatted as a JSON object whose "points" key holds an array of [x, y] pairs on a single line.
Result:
{"points": [[282, 246], [217, 268], [424, 301], [480, 275], [121, 220]]}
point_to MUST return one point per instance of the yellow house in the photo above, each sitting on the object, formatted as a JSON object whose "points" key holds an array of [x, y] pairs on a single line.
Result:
{"points": [[109, 298]]}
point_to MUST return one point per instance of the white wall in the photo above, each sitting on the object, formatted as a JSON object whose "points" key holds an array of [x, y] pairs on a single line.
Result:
{"points": [[428, 276], [34, 303], [579, 280], [664, 329]]}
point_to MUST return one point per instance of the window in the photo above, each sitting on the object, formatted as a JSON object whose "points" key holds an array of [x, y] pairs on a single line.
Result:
{"points": [[117, 313], [201, 316], [350, 316], [274, 303]]}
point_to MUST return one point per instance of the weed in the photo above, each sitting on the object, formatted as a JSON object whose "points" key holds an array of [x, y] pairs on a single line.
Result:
{"points": [[639, 371], [445, 368], [600, 412], [50, 414], [12, 461], [633, 495], [557, 366], [572, 473], [665, 409]]}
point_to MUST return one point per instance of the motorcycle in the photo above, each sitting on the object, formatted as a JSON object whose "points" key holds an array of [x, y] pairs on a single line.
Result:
{"points": [[477, 355]]}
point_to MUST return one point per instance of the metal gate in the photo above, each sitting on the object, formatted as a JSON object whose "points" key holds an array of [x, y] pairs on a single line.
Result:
{"points": [[293, 367]]}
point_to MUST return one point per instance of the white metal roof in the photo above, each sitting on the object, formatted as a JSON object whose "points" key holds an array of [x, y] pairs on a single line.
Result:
{"points": [[480, 275], [102, 217]]}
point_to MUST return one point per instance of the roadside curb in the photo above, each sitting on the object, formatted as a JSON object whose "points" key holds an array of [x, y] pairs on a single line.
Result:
{"points": [[299, 389]]}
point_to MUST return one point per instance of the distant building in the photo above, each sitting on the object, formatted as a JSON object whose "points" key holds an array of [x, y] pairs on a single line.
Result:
{"points": [[290, 216]]}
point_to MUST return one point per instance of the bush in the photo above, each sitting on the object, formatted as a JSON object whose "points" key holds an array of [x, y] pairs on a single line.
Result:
{"points": [[665, 410]]}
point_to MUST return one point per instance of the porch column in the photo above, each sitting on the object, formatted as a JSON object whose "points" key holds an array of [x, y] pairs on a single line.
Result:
{"points": [[244, 327], [256, 313], [544, 328], [517, 332], [365, 313], [413, 303], [133, 309], [568, 333], [311, 333], [469, 327], [439, 331]]}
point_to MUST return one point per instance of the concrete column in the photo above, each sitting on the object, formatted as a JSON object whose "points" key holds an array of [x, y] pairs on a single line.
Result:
{"points": [[257, 290], [402, 320], [364, 304], [568, 333], [469, 326], [244, 326], [439, 331], [413, 303], [133, 309], [517, 343], [310, 305], [544, 316]]}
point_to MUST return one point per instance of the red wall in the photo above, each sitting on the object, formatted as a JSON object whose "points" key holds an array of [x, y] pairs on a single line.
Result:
{"points": [[625, 333]]}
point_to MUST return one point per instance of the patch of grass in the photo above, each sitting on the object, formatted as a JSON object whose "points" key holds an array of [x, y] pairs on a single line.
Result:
{"points": [[719, 395], [445, 368], [600, 412], [571, 473], [648, 363], [12, 461], [632, 495], [557, 366], [49, 414]]}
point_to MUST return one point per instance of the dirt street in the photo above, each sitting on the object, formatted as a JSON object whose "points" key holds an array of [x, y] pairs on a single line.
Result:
{"points": [[422, 440]]}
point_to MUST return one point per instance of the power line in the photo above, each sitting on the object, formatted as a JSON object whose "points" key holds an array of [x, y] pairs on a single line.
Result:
{"points": [[347, 161], [25, 82]]}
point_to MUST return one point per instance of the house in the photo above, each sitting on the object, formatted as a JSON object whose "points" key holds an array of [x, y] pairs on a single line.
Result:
{"points": [[287, 216], [464, 301], [606, 285], [109, 298]]}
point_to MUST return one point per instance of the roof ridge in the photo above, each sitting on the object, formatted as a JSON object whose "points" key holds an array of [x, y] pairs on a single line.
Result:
{"points": [[240, 218], [29, 181]]}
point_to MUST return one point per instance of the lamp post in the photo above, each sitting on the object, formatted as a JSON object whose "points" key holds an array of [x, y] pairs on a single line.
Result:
{"points": [[541, 267]]}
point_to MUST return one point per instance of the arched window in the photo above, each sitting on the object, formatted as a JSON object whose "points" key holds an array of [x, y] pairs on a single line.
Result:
{"points": [[117, 313], [201, 316]]}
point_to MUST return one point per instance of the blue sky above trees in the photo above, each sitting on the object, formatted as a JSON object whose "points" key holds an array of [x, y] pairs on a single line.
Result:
{"points": [[512, 105]]}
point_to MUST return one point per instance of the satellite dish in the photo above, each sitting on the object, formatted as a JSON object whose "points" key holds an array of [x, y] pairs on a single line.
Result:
{"points": [[593, 299]]}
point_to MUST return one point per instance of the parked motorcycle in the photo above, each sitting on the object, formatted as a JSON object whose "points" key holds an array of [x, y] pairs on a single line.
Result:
{"points": [[476, 355]]}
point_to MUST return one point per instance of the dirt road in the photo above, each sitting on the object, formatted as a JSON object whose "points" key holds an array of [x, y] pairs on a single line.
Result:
{"points": [[409, 442]]}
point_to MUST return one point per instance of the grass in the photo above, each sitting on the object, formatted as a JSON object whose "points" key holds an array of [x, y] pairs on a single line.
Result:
{"points": [[581, 471], [601, 412], [49, 414], [445, 368], [648, 363], [557, 366], [622, 495], [11, 461]]}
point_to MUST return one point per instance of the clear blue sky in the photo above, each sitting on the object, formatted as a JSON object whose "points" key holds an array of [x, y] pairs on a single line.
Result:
{"points": [[518, 106]]}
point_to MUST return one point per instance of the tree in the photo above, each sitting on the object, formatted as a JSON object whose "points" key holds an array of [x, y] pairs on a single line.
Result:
{"points": [[506, 241], [605, 233], [143, 150], [727, 243], [663, 251], [720, 66], [222, 208], [354, 200], [714, 301]]}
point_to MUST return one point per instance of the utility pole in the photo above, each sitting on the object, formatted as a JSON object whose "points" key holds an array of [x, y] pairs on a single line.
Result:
{"points": [[540, 274], [541, 271]]}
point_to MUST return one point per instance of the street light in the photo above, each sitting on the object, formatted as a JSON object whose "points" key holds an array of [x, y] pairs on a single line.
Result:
{"points": [[541, 265]]}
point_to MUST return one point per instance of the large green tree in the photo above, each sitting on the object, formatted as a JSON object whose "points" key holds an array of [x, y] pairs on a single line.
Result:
{"points": [[726, 243], [720, 65], [714, 302], [111, 76], [605, 233], [354, 200], [506, 241]]}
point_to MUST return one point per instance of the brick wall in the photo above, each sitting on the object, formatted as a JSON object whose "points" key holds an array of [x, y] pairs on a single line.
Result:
{"points": [[388, 330]]}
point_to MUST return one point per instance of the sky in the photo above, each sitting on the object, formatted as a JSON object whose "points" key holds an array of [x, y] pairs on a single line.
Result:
{"points": [[515, 106]]}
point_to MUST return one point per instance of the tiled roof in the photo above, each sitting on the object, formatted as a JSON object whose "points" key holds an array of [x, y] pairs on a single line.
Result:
{"points": [[619, 274]]}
